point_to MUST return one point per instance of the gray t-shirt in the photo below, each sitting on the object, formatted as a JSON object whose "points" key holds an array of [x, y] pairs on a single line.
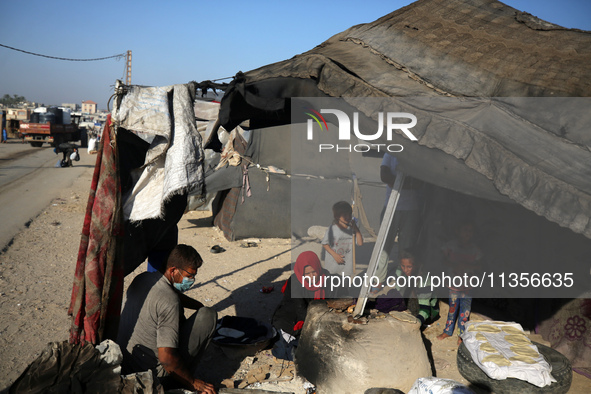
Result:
{"points": [[150, 319], [341, 241]]}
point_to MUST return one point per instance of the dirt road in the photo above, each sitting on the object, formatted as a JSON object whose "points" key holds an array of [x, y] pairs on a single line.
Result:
{"points": [[29, 181]]}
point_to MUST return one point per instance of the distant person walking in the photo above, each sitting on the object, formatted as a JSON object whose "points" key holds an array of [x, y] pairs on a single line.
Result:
{"points": [[4, 135], [70, 152]]}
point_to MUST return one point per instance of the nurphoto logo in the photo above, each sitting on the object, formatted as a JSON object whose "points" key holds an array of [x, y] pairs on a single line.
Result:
{"points": [[387, 122]]}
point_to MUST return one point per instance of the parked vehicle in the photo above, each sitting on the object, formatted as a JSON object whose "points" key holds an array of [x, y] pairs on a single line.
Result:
{"points": [[53, 127]]}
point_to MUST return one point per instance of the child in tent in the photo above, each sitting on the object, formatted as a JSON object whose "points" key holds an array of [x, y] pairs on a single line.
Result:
{"points": [[307, 283], [461, 256], [417, 294], [338, 240]]}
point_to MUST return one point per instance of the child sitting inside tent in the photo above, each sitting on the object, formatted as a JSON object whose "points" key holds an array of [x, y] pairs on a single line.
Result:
{"points": [[305, 285], [415, 288], [338, 240]]}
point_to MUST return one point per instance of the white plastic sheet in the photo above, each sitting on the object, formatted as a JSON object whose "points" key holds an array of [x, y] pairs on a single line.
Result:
{"points": [[433, 385], [507, 339]]}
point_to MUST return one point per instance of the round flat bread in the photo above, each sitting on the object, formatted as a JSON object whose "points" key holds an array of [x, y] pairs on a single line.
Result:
{"points": [[487, 347], [513, 330], [517, 339], [524, 359], [498, 359], [481, 337], [488, 328], [522, 350], [471, 328]]}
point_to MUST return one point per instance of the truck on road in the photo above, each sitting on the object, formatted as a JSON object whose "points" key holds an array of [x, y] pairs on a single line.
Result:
{"points": [[45, 128]]}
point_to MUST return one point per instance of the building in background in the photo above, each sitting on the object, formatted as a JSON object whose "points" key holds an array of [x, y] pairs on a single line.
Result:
{"points": [[88, 106], [72, 106], [18, 113]]}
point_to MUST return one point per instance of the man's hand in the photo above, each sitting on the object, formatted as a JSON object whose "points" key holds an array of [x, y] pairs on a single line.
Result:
{"points": [[202, 387], [174, 365]]}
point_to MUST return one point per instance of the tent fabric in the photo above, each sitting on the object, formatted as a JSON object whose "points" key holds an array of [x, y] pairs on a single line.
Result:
{"points": [[98, 281], [524, 158], [174, 162], [459, 48], [73, 368], [67, 368], [479, 48], [225, 210], [266, 212]]}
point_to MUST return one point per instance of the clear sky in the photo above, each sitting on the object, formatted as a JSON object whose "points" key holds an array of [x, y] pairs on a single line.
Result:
{"points": [[182, 40]]}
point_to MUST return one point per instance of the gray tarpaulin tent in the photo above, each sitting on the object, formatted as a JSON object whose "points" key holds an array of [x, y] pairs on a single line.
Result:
{"points": [[522, 166], [476, 48], [501, 98]]}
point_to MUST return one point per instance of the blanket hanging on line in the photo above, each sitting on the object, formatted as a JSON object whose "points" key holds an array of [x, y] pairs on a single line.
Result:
{"points": [[164, 116], [98, 281]]}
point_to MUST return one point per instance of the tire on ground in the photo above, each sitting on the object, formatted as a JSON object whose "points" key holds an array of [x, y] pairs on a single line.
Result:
{"points": [[561, 371]]}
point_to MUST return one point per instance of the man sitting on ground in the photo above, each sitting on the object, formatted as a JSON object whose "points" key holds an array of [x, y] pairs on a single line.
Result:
{"points": [[154, 333]]}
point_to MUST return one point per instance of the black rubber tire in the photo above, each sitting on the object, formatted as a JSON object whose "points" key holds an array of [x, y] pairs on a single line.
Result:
{"points": [[561, 371], [36, 144]]}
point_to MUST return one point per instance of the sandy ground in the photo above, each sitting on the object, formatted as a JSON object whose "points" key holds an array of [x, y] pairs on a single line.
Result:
{"points": [[36, 274]]}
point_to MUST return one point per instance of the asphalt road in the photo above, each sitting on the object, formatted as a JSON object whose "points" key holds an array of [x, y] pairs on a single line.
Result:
{"points": [[29, 181]]}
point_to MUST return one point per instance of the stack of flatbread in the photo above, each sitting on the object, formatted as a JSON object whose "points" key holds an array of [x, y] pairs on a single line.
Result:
{"points": [[502, 350]]}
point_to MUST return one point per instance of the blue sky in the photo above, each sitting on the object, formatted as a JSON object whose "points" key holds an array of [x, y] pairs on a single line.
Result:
{"points": [[182, 40]]}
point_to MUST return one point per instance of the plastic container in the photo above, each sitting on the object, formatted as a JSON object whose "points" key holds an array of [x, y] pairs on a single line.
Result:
{"points": [[46, 117]]}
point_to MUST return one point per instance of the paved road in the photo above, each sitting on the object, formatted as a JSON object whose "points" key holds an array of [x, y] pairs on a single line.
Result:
{"points": [[29, 181]]}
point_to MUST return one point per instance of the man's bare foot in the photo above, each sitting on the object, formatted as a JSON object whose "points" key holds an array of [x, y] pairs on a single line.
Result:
{"points": [[443, 336], [459, 341]]}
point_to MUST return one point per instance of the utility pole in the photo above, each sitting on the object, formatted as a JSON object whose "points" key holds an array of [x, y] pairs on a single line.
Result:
{"points": [[128, 68]]}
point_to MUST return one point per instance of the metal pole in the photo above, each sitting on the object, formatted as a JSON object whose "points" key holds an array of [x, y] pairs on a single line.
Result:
{"points": [[379, 245]]}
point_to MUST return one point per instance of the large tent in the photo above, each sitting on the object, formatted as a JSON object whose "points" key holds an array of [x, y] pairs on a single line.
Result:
{"points": [[478, 49], [507, 136], [525, 177], [503, 116]]}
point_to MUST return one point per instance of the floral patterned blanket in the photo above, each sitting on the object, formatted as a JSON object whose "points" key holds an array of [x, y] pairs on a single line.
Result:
{"points": [[569, 331]]}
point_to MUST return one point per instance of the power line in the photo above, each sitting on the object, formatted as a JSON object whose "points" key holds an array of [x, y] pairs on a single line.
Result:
{"points": [[64, 58]]}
